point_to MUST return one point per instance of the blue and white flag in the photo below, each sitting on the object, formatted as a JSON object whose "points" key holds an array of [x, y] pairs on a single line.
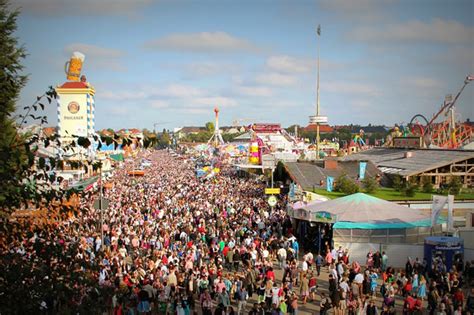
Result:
{"points": [[292, 191], [329, 183], [362, 167], [438, 204]]}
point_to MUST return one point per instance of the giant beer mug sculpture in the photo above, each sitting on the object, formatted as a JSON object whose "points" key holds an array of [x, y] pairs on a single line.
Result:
{"points": [[74, 66]]}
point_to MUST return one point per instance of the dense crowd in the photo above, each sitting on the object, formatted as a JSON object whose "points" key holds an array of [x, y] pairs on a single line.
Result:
{"points": [[175, 243]]}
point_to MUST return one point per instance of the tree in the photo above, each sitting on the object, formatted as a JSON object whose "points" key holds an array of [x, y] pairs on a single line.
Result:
{"points": [[409, 187], [210, 126], [12, 157], [370, 184], [426, 184], [345, 185], [397, 182], [455, 185]]}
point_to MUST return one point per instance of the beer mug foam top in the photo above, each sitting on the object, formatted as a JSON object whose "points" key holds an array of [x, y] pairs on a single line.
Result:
{"points": [[73, 67]]}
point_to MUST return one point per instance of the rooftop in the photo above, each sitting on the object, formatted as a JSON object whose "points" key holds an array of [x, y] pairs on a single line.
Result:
{"points": [[394, 160], [309, 175]]}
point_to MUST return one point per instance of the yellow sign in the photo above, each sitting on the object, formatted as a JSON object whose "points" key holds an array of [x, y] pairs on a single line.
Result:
{"points": [[272, 191]]}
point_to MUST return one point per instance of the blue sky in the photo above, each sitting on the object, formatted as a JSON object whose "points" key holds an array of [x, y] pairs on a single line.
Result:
{"points": [[172, 62]]}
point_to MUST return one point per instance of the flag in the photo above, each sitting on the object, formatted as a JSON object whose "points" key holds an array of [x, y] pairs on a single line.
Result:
{"points": [[438, 204], [450, 212], [319, 30], [362, 167], [292, 191], [329, 183]]}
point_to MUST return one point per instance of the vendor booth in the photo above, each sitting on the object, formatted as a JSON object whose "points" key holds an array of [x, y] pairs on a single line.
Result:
{"points": [[441, 250], [360, 218]]}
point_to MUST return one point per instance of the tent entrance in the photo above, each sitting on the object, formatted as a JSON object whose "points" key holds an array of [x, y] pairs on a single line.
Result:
{"points": [[316, 237]]}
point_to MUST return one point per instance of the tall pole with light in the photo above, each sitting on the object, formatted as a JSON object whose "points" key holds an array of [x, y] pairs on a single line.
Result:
{"points": [[317, 119], [317, 99]]}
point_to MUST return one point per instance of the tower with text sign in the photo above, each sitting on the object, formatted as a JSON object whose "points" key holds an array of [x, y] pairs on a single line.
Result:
{"points": [[75, 104]]}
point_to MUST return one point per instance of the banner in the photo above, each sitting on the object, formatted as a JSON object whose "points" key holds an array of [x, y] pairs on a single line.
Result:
{"points": [[450, 212], [362, 167], [291, 194], [438, 204], [329, 183]]}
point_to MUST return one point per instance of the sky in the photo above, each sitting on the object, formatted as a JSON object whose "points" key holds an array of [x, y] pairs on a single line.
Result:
{"points": [[165, 64]]}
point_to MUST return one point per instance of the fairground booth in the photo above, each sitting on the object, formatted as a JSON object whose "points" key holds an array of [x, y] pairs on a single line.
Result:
{"points": [[362, 221], [448, 251]]}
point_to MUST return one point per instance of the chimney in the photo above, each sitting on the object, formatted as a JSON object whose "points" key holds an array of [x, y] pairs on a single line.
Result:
{"points": [[330, 164]]}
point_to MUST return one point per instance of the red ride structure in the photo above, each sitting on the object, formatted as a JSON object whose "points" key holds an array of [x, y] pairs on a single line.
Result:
{"points": [[448, 133]]}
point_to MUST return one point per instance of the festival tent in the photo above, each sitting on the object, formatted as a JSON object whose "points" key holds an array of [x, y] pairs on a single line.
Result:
{"points": [[361, 218], [364, 211]]}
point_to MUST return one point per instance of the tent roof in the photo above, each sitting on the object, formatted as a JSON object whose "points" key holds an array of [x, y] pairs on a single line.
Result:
{"points": [[362, 208]]}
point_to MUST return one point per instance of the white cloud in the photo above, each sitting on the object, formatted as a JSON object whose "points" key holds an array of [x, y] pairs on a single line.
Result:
{"points": [[209, 68], [177, 91], [299, 65], [277, 79], [437, 30], [217, 42], [95, 51], [213, 101], [98, 57], [288, 64], [83, 7]]}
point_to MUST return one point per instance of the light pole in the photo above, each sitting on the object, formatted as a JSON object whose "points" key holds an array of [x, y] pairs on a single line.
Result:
{"points": [[317, 119]]}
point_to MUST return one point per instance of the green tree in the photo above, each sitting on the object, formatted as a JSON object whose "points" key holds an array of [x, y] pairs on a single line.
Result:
{"points": [[345, 185], [410, 187], [426, 184], [12, 155], [397, 182], [455, 185], [370, 184], [210, 126]]}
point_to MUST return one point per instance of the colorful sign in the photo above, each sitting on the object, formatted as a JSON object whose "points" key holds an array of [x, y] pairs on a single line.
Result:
{"points": [[272, 191], [324, 217]]}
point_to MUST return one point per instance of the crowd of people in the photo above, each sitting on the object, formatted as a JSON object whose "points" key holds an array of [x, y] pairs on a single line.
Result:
{"points": [[175, 243]]}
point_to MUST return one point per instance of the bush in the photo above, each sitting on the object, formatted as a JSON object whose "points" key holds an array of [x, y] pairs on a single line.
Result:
{"points": [[370, 184], [455, 185], [426, 184], [409, 187], [397, 182], [345, 185]]}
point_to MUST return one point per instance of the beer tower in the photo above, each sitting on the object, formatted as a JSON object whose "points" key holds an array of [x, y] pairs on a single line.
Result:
{"points": [[75, 103]]}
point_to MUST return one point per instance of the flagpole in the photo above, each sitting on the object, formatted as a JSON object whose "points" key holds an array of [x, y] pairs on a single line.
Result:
{"points": [[317, 100]]}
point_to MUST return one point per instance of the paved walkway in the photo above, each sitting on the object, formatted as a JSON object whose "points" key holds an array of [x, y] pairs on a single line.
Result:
{"points": [[313, 306]]}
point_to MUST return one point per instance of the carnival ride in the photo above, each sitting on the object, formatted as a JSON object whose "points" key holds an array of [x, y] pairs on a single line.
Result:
{"points": [[359, 138], [447, 133], [216, 138]]}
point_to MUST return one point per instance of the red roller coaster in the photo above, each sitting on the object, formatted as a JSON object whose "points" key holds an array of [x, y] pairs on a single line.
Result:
{"points": [[447, 133]]}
